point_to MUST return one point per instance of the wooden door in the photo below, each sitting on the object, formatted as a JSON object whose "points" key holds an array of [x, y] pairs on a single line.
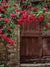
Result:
{"points": [[30, 47], [34, 44]]}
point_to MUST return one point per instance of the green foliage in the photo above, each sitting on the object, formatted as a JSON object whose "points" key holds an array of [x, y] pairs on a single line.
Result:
{"points": [[48, 25], [34, 62], [4, 65]]}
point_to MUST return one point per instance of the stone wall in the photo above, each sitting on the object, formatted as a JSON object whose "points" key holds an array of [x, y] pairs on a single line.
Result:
{"points": [[11, 53], [35, 65]]}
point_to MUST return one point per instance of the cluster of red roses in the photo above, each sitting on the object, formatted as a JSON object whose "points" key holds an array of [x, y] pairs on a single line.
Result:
{"points": [[5, 37], [46, 6], [11, 41], [1, 9], [24, 17]]}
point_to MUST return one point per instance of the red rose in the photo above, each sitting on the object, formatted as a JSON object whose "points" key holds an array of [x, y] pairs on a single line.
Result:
{"points": [[5, 19], [24, 16], [11, 41], [8, 40], [2, 10], [12, 15], [18, 21], [35, 9], [40, 18], [21, 0], [46, 25], [15, 22], [36, 23], [14, 5], [31, 16], [4, 6], [17, 10], [21, 12], [45, 6], [24, 11], [0, 30], [42, 14], [29, 6], [7, 28], [44, 10], [43, 23], [35, 18], [4, 37], [3, 2]]}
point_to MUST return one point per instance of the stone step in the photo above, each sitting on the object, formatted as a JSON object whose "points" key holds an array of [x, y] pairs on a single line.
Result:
{"points": [[35, 65]]}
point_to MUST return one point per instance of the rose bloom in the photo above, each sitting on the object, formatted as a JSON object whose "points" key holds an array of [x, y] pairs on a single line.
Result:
{"points": [[4, 6], [5, 19], [14, 5], [24, 11], [31, 16], [8, 40], [35, 9], [11, 41], [36, 23], [3, 2], [44, 10], [18, 21], [46, 25], [17, 10], [15, 22], [24, 16], [7, 28], [21, 0], [2, 10], [40, 18], [46, 6], [29, 6], [43, 23], [12, 15], [42, 14], [35, 18], [4, 37], [0, 30], [21, 12]]}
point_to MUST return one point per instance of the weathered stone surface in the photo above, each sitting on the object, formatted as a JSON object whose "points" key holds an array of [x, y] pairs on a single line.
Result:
{"points": [[35, 65], [14, 50]]}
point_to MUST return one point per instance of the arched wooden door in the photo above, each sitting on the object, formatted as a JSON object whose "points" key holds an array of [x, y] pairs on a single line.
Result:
{"points": [[35, 46]]}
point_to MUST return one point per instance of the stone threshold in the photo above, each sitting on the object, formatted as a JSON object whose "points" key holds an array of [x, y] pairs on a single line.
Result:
{"points": [[35, 65]]}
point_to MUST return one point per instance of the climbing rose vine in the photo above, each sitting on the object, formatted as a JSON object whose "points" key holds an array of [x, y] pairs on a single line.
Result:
{"points": [[8, 16], [11, 15]]}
